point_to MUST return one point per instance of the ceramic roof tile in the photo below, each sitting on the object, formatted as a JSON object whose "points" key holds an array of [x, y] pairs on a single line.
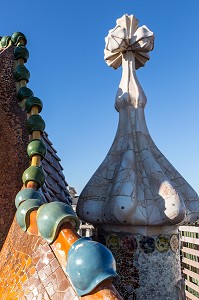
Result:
{"points": [[55, 155], [47, 196], [47, 139], [55, 187]]}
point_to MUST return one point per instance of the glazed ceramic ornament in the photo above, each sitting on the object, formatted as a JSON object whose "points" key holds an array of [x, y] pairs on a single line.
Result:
{"points": [[135, 185]]}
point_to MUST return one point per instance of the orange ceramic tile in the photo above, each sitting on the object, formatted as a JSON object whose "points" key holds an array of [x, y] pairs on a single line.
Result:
{"points": [[26, 262], [32, 185], [33, 224], [66, 237], [104, 291]]}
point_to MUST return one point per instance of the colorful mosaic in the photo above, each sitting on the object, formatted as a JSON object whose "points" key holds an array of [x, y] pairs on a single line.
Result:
{"points": [[139, 261], [147, 244], [162, 243], [174, 243], [113, 241], [123, 248], [31, 270]]}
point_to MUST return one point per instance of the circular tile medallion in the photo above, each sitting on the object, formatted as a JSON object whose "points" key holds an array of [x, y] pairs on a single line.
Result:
{"points": [[162, 243], [129, 243], [113, 241], [174, 243], [147, 244]]}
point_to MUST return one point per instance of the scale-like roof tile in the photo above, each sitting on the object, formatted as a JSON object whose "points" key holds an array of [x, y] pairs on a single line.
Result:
{"points": [[55, 186]]}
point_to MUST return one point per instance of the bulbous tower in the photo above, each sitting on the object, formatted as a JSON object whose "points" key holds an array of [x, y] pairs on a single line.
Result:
{"points": [[136, 199]]}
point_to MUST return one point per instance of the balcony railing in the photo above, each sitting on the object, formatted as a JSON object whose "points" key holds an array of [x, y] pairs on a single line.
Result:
{"points": [[190, 260]]}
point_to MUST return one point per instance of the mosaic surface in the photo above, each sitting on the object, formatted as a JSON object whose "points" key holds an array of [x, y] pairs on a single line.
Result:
{"points": [[29, 270], [135, 184], [13, 141], [141, 263]]}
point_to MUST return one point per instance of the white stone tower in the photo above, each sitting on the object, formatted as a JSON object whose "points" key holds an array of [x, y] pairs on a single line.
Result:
{"points": [[136, 199]]}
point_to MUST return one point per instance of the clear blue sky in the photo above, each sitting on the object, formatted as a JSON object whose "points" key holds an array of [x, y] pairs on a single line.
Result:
{"points": [[68, 72]]}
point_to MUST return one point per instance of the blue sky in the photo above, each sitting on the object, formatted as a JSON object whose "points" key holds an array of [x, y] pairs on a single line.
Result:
{"points": [[68, 72]]}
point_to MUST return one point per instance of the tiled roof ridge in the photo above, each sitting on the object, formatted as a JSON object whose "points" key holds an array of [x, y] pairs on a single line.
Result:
{"points": [[55, 186], [56, 222], [29, 267]]}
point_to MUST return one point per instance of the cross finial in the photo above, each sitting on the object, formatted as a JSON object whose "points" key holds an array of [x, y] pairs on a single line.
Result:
{"points": [[127, 36]]}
